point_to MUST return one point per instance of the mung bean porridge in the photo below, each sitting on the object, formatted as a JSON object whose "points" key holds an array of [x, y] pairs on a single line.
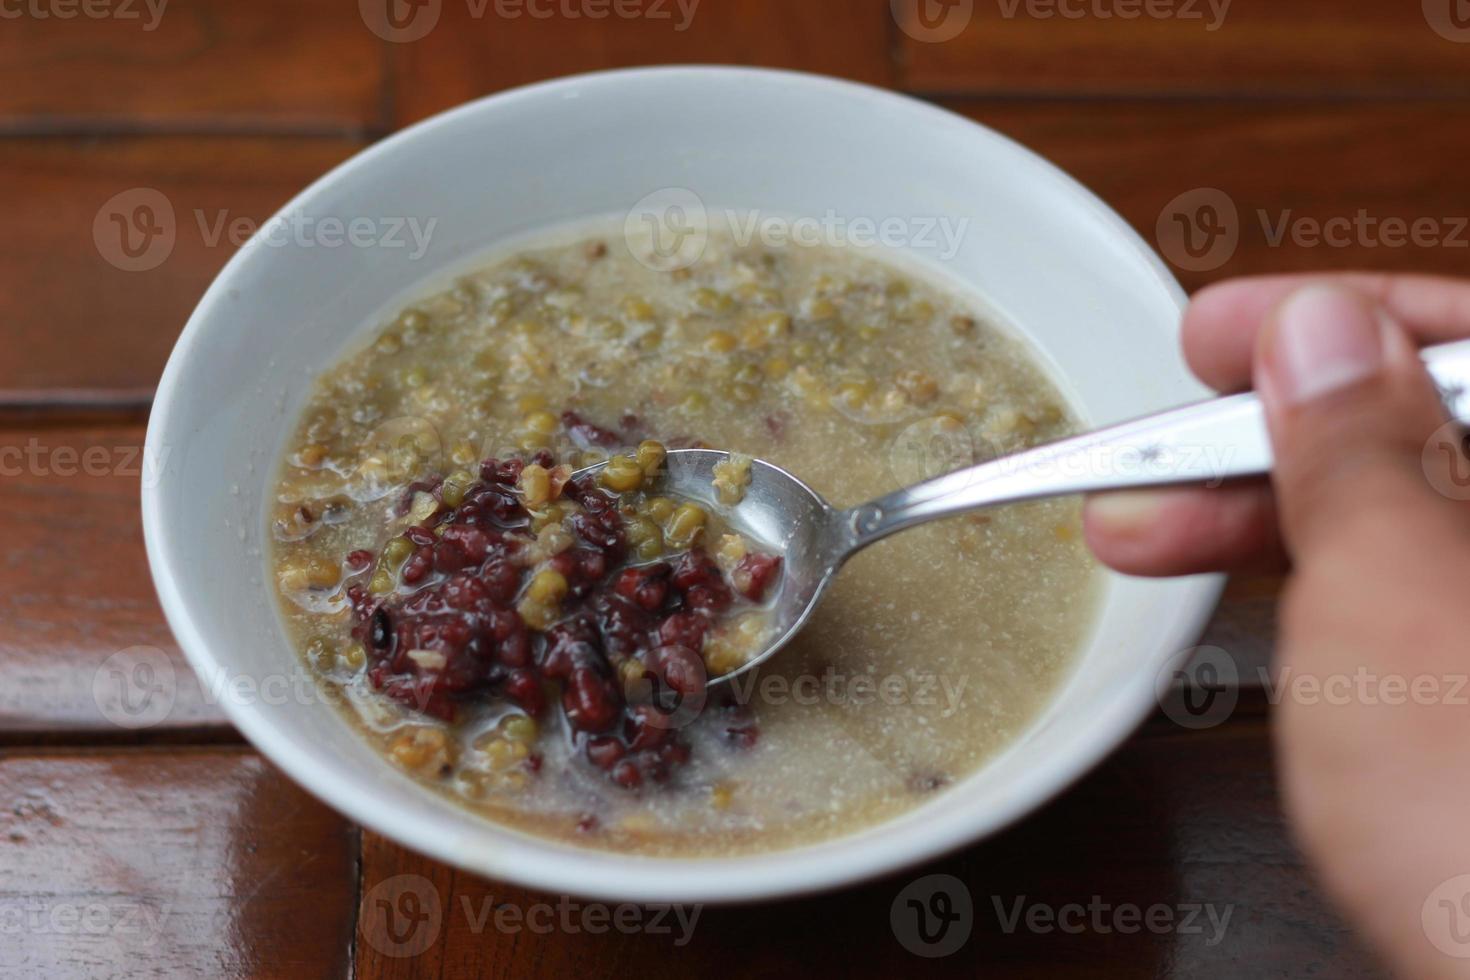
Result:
{"points": [[537, 645]]}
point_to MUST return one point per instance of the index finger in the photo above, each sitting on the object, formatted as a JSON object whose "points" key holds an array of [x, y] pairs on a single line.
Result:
{"points": [[1221, 324]]}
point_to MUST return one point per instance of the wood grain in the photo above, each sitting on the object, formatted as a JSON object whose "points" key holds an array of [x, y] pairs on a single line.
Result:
{"points": [[473, 50], [1285, 169], [189, 863], [75, 320], [178, 860], [1174, 820], [201, 65], [1258, 48], [75, 595], [1302, 164]]}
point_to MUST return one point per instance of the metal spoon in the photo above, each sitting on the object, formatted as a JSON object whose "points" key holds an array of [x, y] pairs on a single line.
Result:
{"points": [[1207, 443]]}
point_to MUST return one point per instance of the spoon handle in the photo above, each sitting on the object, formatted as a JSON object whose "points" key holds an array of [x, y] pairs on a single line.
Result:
{"points": [[1208, 443]]}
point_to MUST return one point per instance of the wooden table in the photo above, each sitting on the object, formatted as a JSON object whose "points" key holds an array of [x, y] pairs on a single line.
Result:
{"points": [[175, 850]]}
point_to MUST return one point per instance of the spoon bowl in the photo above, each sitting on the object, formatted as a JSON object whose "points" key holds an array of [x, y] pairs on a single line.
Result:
{"points": [[779, 513]]}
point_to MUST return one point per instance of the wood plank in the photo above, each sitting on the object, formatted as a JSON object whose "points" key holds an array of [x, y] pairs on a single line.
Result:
{"points": [[1139, 157], [1295, 166], [85, 649], [472, 50], [74, 319], [180, 864], [207, 65], [1333, 48], [1174, 820]]}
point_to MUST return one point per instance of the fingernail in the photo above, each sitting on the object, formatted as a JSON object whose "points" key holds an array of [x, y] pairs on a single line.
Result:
{"points": [[1124, 512], [1324, 339]]}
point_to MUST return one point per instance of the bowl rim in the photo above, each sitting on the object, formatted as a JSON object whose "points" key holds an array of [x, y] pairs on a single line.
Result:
{"points": [[801, 870]]}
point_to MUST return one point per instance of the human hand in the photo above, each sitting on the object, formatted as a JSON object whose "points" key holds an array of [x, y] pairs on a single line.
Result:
{"points": [[1380, 570]]}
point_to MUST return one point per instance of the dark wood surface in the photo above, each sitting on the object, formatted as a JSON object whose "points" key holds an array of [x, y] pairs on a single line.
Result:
{"points": [[1257, 50], [174, 850]]}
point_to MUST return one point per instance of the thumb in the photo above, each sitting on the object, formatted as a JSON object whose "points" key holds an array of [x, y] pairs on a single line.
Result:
{"points": [[1350, 407]]}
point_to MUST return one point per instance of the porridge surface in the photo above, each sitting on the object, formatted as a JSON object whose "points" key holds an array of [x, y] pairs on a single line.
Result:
{"points": [[934, 649]]}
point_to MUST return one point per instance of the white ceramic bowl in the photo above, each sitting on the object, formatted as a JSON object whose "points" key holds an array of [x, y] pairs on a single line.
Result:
{"points": [[1052, 258]]}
